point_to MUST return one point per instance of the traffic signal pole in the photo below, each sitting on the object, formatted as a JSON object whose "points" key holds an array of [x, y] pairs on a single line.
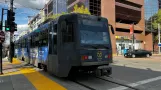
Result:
{"points": [[159, 37], [1, 25], [11, 36]]}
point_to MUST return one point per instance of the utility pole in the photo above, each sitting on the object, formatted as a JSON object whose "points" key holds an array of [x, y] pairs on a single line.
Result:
{"points": [[1, 25], [152, 33], [133, 38], [159, 35]]}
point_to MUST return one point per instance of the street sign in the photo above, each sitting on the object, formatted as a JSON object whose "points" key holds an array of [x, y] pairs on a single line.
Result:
{"points": [[131, 29], [2, 36], [159, 44]]}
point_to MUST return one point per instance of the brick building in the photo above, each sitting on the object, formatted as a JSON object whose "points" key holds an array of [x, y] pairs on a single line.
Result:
{"points": [[120, 14]]}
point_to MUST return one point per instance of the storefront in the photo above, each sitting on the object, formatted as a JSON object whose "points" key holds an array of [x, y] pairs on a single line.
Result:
{"points": [[125, 42]]}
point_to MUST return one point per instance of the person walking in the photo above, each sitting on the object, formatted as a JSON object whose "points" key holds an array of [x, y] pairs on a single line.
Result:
{"points": [[117, 51]]}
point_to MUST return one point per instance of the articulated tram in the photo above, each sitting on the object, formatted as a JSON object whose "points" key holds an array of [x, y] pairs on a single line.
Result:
{"points": [[68, 44]]}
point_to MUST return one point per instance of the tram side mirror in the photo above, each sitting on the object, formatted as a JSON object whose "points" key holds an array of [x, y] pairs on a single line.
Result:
{"points": [[112, 30]]}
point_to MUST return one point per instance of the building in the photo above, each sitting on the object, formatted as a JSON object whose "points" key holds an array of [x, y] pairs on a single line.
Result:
{"points": [[159, 4], [151, 8], [51, 7], [56, 6], [38, 19], [121, 14], [94, 6]]}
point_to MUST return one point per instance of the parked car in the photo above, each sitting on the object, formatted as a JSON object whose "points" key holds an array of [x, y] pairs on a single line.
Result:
{"points": [[138, 53]]}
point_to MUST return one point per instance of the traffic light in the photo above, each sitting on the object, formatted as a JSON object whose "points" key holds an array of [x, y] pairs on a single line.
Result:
{"points": [[8, 17], [7, 27], [12, 18], [12, 26]]}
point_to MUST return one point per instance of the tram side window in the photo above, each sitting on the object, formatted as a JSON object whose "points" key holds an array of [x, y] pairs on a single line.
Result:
{"points": [[55, 39], [43, 42], [55, 34], [31, 41], [50, 38], [68, 34], [50, 43], [23, 43]]}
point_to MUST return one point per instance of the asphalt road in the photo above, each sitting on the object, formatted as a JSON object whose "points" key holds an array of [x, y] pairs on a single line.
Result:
{"points": [[128, 74]]}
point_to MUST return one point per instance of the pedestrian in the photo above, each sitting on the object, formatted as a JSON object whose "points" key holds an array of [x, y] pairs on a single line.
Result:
{"points": [[117, 50]]}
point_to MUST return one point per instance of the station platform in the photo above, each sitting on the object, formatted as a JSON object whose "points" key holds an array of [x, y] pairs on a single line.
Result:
{"points": [[20, 76]]}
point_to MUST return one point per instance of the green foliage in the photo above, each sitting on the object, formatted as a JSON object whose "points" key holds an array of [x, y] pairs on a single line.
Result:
{"points": [[156, 19], [81, 9], [54, 16]]}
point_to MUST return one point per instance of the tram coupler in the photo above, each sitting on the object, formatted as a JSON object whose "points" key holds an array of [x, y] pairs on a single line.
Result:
{"points": [[103, 71]]}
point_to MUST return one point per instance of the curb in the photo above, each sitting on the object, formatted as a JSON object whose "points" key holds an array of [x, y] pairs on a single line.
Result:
{"points": [[156, 54], [115, 55]]}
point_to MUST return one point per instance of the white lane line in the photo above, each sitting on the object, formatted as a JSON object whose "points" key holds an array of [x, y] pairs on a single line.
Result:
{"points": [[137, 83], [1, 81]]}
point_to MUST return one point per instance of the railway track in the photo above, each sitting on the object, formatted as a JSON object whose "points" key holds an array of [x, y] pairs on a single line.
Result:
{"points": [[104, 80]]}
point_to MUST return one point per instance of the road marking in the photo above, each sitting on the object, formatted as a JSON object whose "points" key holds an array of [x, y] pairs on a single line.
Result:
{"points": [[40, 81], [1, 81], [137, 83]]}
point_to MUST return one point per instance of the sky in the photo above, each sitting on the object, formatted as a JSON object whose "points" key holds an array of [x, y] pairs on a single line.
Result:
{"points": [[151, 8], [23, 9]]}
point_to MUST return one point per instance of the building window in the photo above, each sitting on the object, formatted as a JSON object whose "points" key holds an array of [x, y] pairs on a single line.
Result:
{"points": [[50, 7], [95, 7]]}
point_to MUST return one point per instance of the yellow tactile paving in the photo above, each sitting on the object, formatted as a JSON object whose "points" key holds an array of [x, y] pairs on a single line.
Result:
{"points": [[15, 61], [37, 79], [11, 72], [40, 81]]}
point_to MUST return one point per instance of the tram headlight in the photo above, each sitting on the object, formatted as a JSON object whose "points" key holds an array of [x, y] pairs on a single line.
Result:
{"points": [[108, 56], [89, 57]]}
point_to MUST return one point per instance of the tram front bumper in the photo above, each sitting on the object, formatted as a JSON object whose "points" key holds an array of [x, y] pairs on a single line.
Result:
{"points": [[104, 70]]}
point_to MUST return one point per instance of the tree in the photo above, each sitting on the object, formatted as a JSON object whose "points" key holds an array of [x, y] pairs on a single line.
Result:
{"points": [[156, 19], [81, 9], [54, 16]]}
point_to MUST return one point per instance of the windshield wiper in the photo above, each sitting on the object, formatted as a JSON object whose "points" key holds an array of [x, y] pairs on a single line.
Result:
{"points": [[104, 46], [93, 46]]}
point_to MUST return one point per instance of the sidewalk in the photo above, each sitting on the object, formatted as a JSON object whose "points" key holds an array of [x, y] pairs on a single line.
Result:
{"points": [[20, 76], [115, 55], [12, 78], [156, 54]]}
